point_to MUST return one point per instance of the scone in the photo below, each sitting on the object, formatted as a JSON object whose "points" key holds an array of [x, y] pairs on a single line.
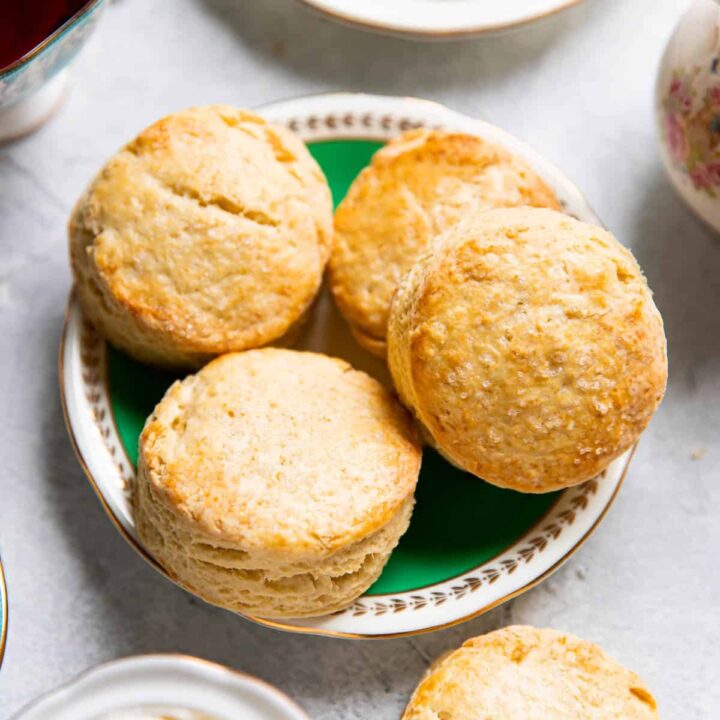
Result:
{"points": [[276, 482], [418, 185], [522, 673], [208, 233], [529, 347]]}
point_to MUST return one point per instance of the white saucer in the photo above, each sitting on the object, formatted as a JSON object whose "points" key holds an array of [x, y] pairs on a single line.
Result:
{"points": [[438, 19], [158, 681]]}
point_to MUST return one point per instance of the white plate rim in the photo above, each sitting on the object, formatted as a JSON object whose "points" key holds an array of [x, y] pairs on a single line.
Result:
{"points": [[438, 19], [532, 558], [101, 685]]}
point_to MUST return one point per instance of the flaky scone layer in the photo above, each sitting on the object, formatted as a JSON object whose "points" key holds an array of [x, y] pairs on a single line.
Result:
{"points": [[276, 482], [523, 673], [208, 233], [529, 347], [417, 186], [255, 585]]}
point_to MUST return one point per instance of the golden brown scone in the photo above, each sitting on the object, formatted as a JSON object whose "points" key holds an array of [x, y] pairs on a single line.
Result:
{"points": [[276, 482], [522, 673], [529, 347], [207, 233], [418, 185]]}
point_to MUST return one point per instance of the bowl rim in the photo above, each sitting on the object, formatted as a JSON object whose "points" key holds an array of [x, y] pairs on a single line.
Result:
{"points": [[4, 613], [411, 28], [319, 117], [157, 660], [31, 54]]}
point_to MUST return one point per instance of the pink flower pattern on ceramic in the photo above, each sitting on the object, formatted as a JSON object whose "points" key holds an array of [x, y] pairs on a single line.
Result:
{"points": [[692, 125]]}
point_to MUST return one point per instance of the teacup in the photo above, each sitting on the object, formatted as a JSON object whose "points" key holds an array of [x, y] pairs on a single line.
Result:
{"points": [[688, 109], [32, 85]]}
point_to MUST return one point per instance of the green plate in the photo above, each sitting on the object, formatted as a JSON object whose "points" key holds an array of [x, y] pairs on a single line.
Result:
{"points": [[470, 546], [459, 521]]}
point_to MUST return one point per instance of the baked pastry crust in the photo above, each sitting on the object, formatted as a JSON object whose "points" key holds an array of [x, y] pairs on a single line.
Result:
{"points": [[276, 482], [529, 347], [523, 673], [417, 186], [207, 233]]}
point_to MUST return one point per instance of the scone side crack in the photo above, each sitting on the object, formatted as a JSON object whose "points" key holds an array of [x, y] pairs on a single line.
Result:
{"points": [[199, 241]]}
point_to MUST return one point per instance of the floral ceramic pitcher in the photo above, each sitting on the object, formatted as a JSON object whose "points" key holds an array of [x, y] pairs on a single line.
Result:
{"points": [[688, 104]]}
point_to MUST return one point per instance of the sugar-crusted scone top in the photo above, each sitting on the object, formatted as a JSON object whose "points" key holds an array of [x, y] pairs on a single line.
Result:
{"points": [[529, 347], [207, 233], [523, 673], [283, 453], [416, 186]]}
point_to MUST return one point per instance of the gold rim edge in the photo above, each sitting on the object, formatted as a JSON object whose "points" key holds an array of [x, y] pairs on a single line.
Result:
{"points": [[4, 615]]}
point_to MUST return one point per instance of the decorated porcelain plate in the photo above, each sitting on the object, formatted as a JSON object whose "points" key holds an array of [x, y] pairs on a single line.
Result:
{"points": [[470, 546], [438, 19], [164, 687]]}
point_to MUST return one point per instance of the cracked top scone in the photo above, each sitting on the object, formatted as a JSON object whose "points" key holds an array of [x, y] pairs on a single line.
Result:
{"points": [[207, 233], [276, 482], [529, 347], [522, 673], [417, 186]]}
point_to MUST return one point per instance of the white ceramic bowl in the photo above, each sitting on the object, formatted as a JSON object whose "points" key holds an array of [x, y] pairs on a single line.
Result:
{"points": [[438, 19], [164, 681]]}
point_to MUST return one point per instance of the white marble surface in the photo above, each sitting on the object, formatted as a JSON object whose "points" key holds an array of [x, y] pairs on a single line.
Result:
{"points": [[578, 87]]}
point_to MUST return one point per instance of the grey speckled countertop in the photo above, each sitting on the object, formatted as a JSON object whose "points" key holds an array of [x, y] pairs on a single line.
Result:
{"points": [[578, 87]]}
